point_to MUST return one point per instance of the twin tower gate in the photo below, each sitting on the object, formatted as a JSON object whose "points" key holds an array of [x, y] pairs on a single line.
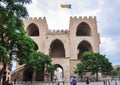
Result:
{"points": [[65, 47]]}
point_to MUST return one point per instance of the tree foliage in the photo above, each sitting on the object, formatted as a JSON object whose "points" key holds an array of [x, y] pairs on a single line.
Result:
{"points": [[52, 68], [11, 26], [11, 29], [13, 38], [4, 53], [95, 63], [115, 72], [80, 70], [38, 61]]}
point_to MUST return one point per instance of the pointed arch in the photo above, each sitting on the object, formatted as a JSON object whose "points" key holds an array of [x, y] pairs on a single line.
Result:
{"points": [[33, 30], [83, 29], [82, 47], [39, 75], [28, 74], [57, 49]]}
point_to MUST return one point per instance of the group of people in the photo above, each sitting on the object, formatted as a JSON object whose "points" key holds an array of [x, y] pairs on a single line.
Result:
{"points": [[74, 81]]}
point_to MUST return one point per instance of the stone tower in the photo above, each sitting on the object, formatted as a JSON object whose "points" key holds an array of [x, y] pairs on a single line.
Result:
{"points": [[65, 47], [83, 36]]}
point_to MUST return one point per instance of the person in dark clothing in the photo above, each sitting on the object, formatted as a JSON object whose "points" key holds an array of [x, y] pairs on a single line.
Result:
{"points": [[15, 80], [87, 81]]}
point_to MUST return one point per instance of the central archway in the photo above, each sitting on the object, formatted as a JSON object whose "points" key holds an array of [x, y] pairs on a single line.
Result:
{"points": [[57, 49], [59, 73]]}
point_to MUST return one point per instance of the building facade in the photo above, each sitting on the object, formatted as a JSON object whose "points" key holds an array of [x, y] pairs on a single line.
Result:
{"points": [[65, 47]]}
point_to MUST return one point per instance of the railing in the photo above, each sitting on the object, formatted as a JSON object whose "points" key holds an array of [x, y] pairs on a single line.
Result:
{"points": [[108, 82]]}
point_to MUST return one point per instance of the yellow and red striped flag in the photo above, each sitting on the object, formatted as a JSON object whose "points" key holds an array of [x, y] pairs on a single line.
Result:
{"points": [[66, 6]]}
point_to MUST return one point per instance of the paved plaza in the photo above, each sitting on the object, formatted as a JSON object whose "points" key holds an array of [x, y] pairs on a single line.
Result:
{"points": [[68, 83]]}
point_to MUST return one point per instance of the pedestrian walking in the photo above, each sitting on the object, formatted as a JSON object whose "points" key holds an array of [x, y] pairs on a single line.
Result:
{"points": [[74, 81], [87, 81], [104, 82], [108, 82], [115, 82]]}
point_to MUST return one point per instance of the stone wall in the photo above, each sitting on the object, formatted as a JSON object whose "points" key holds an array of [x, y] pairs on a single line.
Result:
{"points": [[70, 42]]}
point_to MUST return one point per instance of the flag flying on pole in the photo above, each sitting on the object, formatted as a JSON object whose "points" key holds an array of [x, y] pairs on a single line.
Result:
{"points": [[66, 6]]}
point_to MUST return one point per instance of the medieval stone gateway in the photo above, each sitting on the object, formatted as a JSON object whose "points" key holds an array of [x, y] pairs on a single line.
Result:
{"points": [[65, 47]]}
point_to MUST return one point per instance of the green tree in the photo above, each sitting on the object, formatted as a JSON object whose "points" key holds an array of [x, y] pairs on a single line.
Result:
{"points": [[13, 38], [12, 32], [51, 70], [81, 70], [115, 72], [95, 63], [4, 58], [118, 69], [38, 62]]}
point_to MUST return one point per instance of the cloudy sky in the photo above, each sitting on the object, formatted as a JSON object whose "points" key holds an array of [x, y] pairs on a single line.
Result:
{"points": [[106, 11]]}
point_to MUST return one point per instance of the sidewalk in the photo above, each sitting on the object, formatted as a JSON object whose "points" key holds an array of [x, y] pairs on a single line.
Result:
{"points": [[68, 83]]}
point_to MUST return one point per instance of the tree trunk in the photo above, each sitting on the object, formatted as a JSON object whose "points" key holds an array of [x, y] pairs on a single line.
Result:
{"points": [[81, 78], [97, 76], [52, 77]]}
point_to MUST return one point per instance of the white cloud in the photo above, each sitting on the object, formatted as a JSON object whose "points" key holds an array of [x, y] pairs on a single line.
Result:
{"points": [[106, 11], [109, 47]]}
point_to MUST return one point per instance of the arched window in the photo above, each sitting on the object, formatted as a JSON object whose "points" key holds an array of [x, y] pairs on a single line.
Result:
{"points": [[82, 47], [83, 29], [57, 49], [33, 30]]}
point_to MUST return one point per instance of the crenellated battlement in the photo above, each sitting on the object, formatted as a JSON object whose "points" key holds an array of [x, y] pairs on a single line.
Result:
{"points": [[63, 46], [42, 23], [35, 18], [58, 32], [83, 17]]}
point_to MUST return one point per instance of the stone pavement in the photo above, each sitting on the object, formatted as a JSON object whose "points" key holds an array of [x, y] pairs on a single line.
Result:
{"points": [[79, 83], [98, 83]]}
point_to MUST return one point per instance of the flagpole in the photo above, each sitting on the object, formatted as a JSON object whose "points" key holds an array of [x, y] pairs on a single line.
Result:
{"points": [[71, 11]]}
